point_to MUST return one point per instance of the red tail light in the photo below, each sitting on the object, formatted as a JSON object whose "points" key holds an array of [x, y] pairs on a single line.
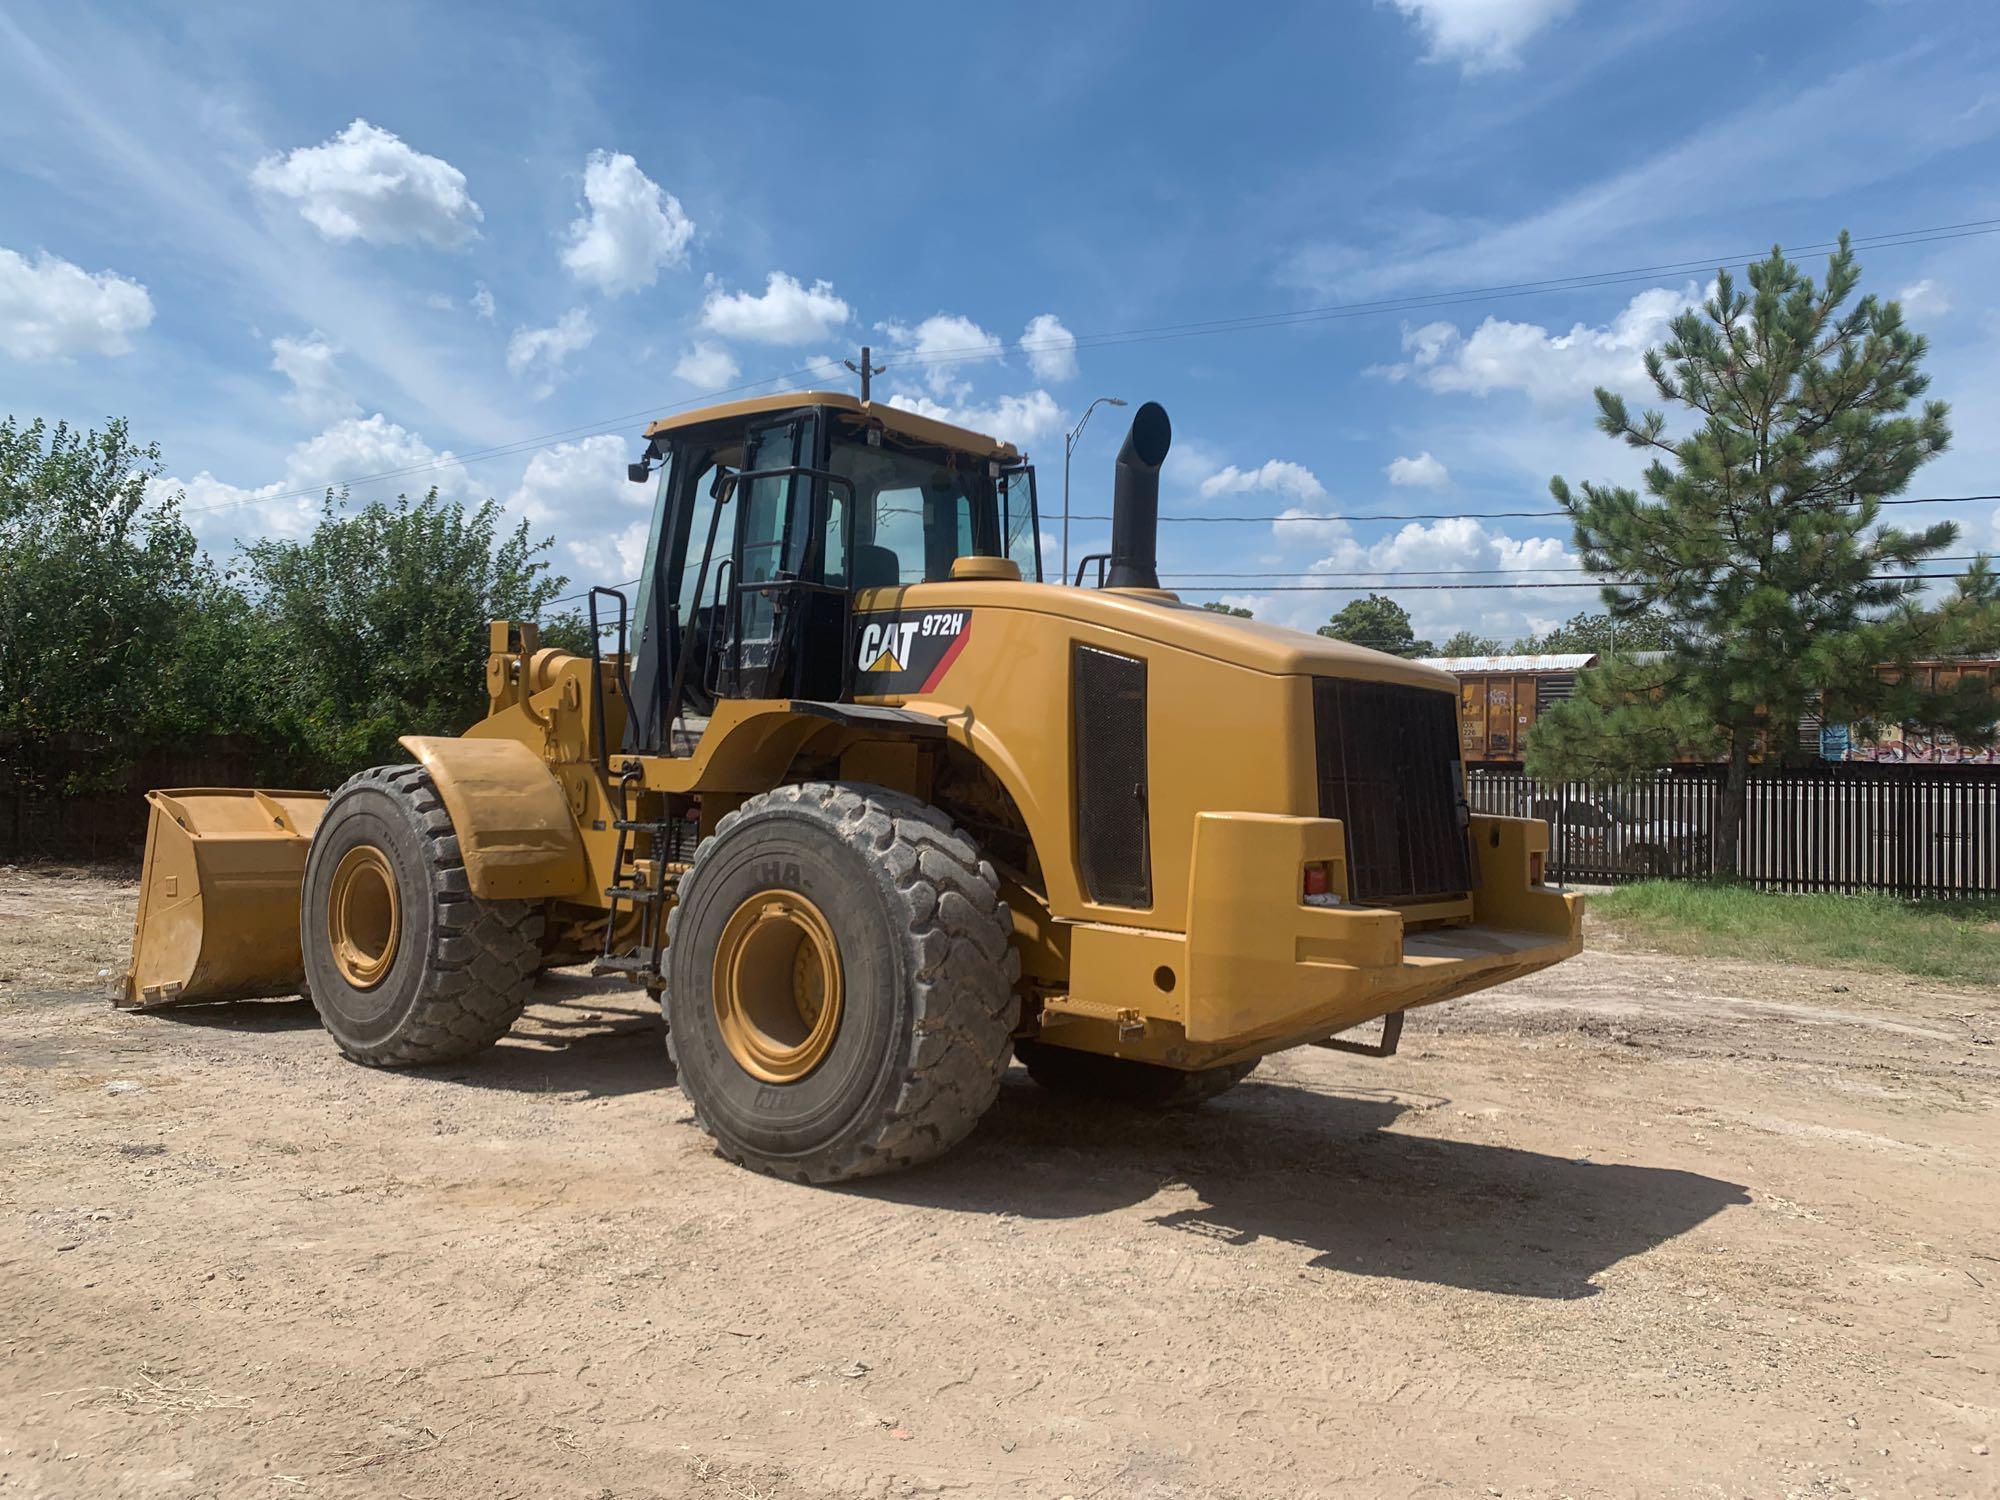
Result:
{"points": [[1535, 867], [1316, 882]]}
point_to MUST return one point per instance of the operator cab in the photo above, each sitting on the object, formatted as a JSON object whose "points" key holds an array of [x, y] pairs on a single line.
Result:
{"points": [[773, 516]]}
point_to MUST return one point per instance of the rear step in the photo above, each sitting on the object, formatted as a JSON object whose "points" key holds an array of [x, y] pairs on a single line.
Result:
{"points": [[672, 840]]}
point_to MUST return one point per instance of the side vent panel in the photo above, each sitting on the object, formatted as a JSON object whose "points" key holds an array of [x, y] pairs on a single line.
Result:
{"points": [[1108, 704]]}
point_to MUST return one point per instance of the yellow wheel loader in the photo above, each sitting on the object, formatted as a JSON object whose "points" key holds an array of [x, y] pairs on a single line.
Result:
{"points": [[871, 806]]}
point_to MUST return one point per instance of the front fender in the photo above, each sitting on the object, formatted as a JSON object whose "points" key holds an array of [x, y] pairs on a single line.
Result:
{"points": [[515, 830]]}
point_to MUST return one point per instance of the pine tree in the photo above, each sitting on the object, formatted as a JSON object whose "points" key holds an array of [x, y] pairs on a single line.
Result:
{"points": [[1759, 537]]}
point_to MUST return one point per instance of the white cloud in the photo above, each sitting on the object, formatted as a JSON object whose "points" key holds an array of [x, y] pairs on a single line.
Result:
{"points": [[1278, 476], [825, 372], [1020, 420], [1924, 299], [366, 184], [786, 313], [548, 349], [610, 557], [348, 451], [1050, 347], [1423, 471], [707, 367], [52, 309], [482, 300], [316, 390], [631, 227], [1459, 544], [1550, 368], [361, 446], [1481, 35], [577, 479], [943, 346], [581, 490], [1296, 526]]}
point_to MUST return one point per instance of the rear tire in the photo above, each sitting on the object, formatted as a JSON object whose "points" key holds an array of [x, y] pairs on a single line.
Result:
{"points": [[840, 983], [404, 964], [1120, 1080]]}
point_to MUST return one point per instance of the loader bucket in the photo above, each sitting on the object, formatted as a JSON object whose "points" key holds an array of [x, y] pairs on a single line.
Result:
{"points": [[219, 896]]}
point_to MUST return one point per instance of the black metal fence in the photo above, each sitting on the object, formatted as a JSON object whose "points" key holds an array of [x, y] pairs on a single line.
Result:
{"points": [[1913, 831], [43, 818]]}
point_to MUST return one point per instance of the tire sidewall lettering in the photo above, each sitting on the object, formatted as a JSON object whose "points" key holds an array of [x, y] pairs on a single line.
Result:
{"points": [[778, 852]]}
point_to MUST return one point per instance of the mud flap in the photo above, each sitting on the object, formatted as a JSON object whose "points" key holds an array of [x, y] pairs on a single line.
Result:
{"points": [[219, 897]]}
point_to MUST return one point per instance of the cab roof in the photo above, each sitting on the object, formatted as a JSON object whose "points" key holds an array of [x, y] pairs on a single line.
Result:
{"points": [[906, 423]]}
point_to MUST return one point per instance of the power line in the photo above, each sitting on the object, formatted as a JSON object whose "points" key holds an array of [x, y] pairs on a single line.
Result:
{"points": [[1453, 572], [1379, 575], [610, 426], [1404, 588], [1480, 515]]}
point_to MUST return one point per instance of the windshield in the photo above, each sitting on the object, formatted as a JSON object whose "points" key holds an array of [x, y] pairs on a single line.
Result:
{"points": [[918, 510], [1019, 523]]}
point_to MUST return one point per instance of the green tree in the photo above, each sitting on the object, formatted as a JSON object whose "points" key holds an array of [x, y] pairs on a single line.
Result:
{"points": [[99, 579], [1469, 643], [1217, 607], [1602, 635], [1759, 538], [375, 625], [1379, 623]]}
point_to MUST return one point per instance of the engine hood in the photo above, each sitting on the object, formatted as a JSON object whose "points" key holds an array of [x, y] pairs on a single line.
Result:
{"points": [[1164, 620]]}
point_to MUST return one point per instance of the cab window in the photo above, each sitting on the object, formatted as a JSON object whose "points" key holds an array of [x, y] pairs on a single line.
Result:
{"points": [[918, 510]]}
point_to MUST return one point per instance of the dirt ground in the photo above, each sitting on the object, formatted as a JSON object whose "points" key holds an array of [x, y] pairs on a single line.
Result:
{"points": [[1643, 1225]]}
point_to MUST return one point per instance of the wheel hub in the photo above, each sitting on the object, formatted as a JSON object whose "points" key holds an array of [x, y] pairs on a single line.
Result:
{"points": [[778, 986], [364, 920]]}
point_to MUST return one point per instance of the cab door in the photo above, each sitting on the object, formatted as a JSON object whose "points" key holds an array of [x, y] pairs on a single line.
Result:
{"points": [[779, 593]]}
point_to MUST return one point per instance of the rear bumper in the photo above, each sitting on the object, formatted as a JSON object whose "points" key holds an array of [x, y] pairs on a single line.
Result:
{"points": [[1258, 970]]}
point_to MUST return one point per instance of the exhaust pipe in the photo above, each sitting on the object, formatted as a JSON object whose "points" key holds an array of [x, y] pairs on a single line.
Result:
{"points": [[1135, 501]]}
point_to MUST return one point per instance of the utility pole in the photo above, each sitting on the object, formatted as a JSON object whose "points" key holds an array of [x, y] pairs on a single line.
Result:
{"points": [[865, 370], [1069, 447]]}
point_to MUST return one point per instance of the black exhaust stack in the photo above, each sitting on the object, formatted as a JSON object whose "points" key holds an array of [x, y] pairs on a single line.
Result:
{"points": [[1135, 501]]}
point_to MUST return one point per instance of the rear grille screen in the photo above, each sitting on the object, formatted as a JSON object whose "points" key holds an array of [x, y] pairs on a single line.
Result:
{"points": [[1388, 769], [1108, 692]]}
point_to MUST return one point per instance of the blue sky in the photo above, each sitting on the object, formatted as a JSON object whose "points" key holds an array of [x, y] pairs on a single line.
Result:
{"points": [[300, 245]]}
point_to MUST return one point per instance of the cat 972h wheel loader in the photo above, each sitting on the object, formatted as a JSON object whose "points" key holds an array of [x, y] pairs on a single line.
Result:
{"points": [[870, 806]]}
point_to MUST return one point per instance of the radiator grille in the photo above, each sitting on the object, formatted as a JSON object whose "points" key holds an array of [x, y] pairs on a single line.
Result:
{"points": [[1388, 769], [1109, 694]]}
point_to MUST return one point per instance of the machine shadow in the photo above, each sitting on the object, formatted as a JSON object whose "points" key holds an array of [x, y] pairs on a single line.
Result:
{"points": [[294, 1013], [583, 1036], [1271, 1161], [590, 1037]]}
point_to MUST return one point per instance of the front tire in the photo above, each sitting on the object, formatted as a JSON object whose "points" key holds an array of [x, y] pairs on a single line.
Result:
{"points": [[1120, 1080], [840, 983], [404, 964]]}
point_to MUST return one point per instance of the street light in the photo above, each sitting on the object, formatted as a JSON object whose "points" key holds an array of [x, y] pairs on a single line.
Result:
{"points": [[1069, 447]]}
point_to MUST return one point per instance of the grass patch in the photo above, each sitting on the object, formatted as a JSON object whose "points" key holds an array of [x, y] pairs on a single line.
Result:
{"points": [[1955, 940]]}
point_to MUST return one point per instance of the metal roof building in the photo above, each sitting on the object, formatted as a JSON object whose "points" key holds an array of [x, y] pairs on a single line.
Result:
{"points": [[1566, 662]]}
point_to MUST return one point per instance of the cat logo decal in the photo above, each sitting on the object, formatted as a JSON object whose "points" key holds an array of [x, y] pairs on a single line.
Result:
{"points": [[908, 651]]}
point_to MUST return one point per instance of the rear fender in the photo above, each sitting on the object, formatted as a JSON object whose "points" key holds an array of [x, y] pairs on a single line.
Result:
{"points": [[515, 829]]}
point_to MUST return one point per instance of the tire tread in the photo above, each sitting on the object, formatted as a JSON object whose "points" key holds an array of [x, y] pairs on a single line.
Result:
{"points": [[963, 969], [480, 970]]}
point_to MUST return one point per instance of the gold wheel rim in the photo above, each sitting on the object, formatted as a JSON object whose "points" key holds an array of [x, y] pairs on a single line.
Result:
{"points": [[778, 987], [364, 918]]}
